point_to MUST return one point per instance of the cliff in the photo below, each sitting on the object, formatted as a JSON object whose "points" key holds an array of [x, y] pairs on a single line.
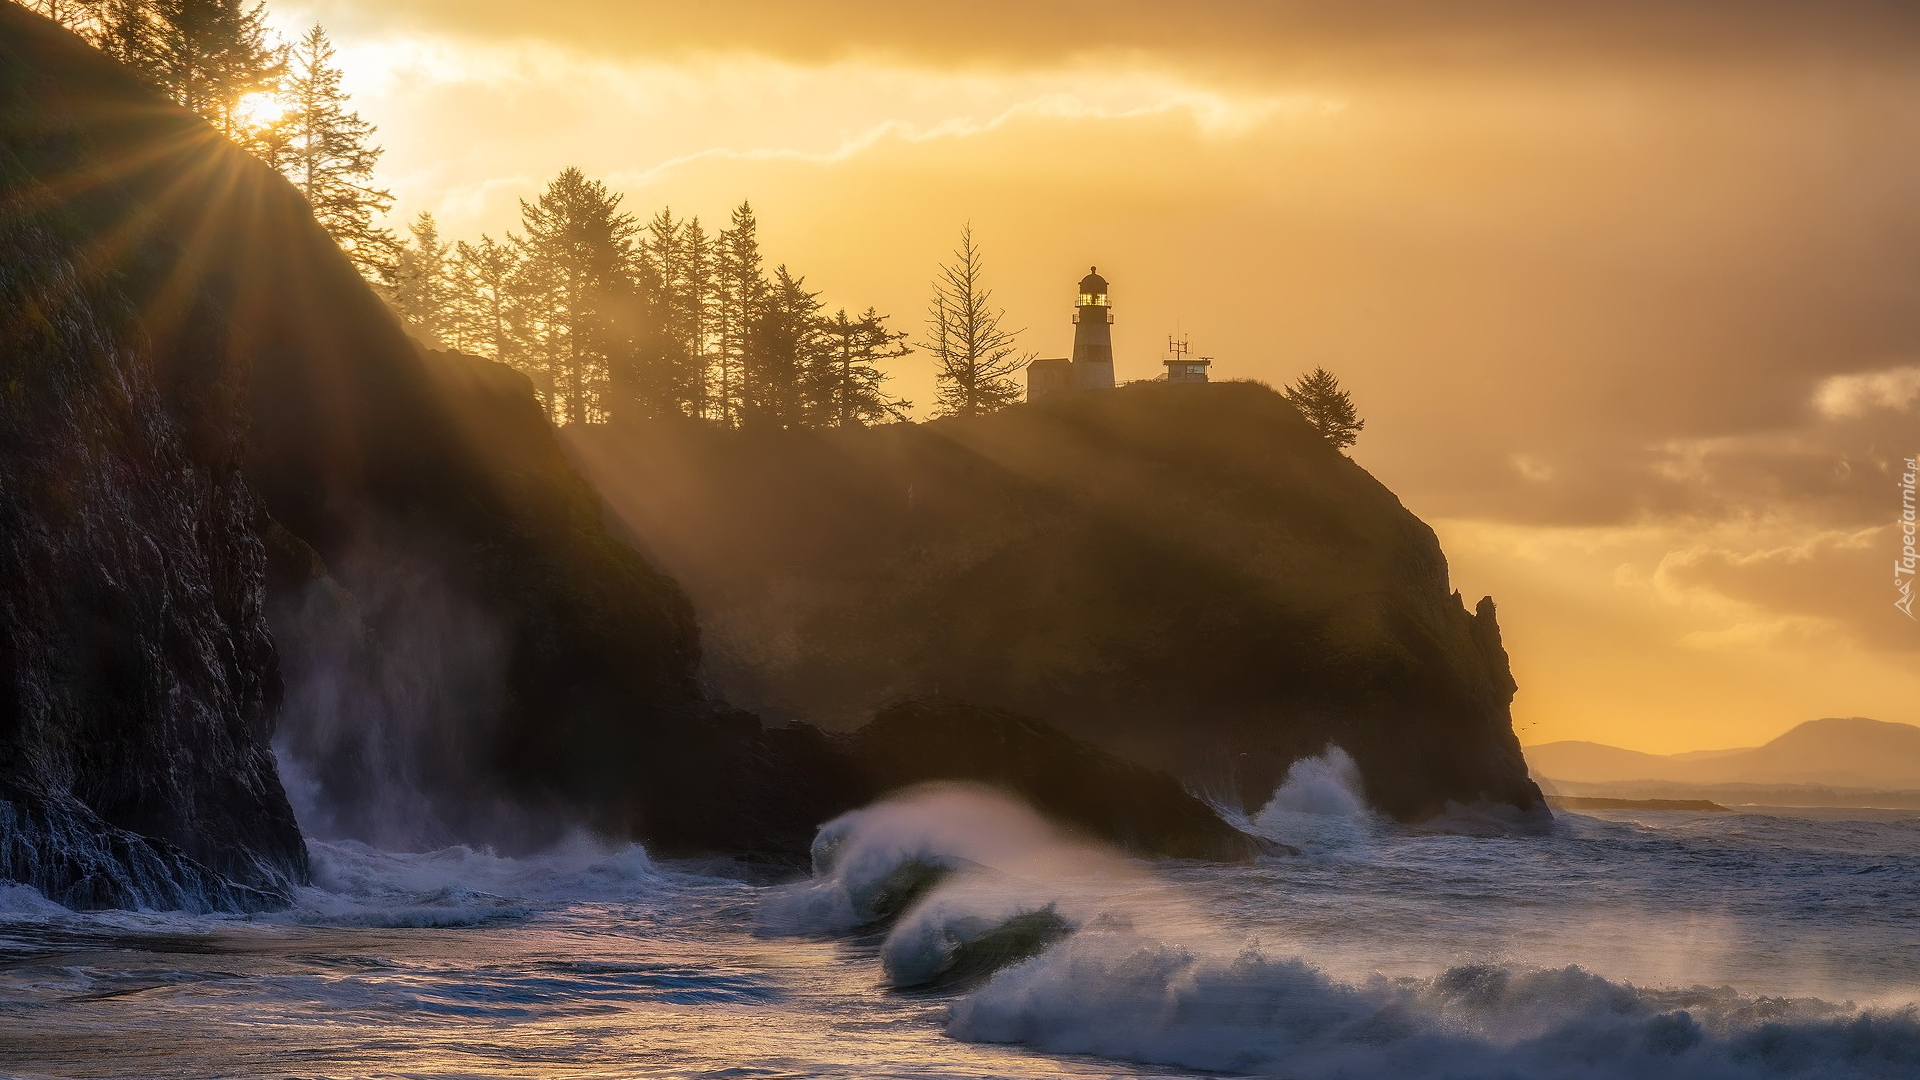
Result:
{"points": [[1185, 575], [137, 683], [198, 389], [240, 511]]}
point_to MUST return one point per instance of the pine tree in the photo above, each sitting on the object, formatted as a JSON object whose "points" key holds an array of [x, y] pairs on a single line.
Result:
{"points": [[325, 149], [781, 384], [128, 31], [420, 287], [79, 16], [740, 289], [851, 375], [480, 304], [976, 357], [1327, 407], [697, 298], [674, 281], [578, 254], [205, 54]]}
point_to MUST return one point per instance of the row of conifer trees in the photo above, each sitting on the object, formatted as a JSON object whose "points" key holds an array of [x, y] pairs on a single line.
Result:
{"points": [[609, 318], [613, 319]]}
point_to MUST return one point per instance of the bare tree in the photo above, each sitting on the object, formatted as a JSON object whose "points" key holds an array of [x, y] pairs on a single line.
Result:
{"points": [[977, 358]]}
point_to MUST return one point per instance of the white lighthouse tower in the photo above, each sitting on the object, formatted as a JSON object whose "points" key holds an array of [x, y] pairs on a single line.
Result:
{"points": [[1093, 334]]}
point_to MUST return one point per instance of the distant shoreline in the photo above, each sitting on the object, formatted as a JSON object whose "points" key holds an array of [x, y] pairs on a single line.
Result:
{"points": [[1575, 802], [1727, 796]]}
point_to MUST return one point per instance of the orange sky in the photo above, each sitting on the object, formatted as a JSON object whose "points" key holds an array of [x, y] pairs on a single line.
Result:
{"points": [[1628, 292]]}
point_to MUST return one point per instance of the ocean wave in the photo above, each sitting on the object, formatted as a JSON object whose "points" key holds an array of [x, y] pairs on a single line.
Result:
{"points": [[358, 885], [1320, 806], [873, 865], [1117, 995]]}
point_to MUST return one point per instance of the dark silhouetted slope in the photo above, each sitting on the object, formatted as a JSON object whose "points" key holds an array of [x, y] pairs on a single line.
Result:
{"points": [[192, 365], [1187, 575], [137, 677]]}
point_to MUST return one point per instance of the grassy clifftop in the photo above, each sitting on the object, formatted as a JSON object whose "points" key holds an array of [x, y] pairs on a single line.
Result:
{"points": [[1185, 574]]}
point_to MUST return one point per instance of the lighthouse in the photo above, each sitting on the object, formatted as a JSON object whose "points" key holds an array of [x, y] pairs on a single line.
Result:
{"points": [[1093, 334], [1091, 366]]}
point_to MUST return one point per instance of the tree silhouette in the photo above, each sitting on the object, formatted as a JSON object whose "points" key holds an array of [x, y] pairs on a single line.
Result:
{"points": [[578, 254], [324, 148], [481, 305], [1327, 407], [976, 357], [783, 357], [206, 54], [850, 374], [77, 15], [675, 274], [421, 289], [740, 290]]}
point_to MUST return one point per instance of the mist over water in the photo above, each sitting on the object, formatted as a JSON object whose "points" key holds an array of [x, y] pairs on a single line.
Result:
{"points": [[949, 932]]}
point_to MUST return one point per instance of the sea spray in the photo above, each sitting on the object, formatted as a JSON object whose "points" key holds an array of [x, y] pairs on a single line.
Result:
{"points": [[357, 885], [1320, 805], [872, 864], [992, 884]]}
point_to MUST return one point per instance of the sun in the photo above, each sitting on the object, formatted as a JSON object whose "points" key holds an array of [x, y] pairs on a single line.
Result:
{"points": [[259, 109]]}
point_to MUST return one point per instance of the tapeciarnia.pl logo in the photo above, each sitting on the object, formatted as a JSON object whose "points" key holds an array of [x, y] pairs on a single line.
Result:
{"points": [[1903, 566]]}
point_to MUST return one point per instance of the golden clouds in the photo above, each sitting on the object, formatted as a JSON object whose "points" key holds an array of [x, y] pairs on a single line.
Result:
{"points": [[1253, 36]]}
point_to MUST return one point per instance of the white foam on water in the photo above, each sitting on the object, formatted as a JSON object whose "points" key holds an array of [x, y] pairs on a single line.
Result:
{"points": [[963, 830], [1118, 995], [24, 902], [358, 885]]}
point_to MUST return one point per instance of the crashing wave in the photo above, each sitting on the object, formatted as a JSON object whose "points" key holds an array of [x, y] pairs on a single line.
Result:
{"points": [[358, 885], [1319, 806], [963, 880], [871, 865], [1116, 995]]}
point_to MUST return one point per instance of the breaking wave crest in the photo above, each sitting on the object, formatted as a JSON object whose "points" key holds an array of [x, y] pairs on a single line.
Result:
{"points": [[1116, 994], [960, 879], [1068, 949], [1318, 806]]}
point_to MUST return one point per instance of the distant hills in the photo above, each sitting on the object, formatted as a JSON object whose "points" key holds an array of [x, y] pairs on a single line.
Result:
{"points": [[1841, 752]]}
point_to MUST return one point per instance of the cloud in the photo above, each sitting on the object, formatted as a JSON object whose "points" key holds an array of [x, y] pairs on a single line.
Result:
{"points": [[1826, 591], [1853, 395], [1312, 36]]}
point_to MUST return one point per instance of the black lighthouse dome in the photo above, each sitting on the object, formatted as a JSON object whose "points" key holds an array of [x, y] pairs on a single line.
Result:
{"points": [[1093, 284]]}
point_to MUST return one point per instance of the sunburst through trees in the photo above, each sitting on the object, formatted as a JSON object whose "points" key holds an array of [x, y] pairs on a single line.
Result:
{"points": [[611, 320]]}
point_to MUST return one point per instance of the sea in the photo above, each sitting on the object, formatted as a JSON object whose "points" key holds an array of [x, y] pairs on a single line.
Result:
{"points": [[950, 933]]}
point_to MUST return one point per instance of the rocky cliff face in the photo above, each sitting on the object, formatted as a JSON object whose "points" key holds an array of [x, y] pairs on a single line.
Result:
{"points": [[137, 676], [197, 384], [1186, 575], [238, 507]]}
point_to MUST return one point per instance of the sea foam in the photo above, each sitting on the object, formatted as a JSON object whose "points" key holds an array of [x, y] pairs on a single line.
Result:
{"points": [[1117, 995]]}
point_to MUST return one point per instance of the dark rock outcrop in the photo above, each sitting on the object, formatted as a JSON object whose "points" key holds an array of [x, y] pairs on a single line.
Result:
{"points": [[1069, 780], [137, 675], [1186, 575], [191, 366], [225, 471]]}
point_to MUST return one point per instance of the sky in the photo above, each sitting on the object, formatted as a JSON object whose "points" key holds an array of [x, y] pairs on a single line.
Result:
{"points": [[1628, 292]]}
